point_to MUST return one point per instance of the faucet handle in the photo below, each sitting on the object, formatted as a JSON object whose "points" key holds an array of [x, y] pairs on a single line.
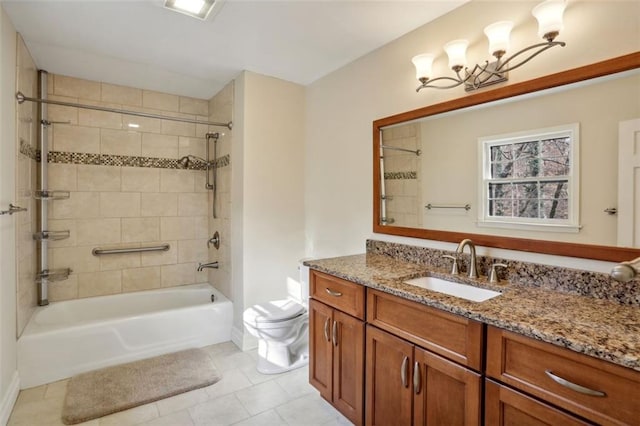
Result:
{"points": [[493, 273], [454, 267]]}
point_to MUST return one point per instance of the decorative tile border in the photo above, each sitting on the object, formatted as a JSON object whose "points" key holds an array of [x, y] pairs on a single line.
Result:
{"points": [[400, 175], [125, 160], [566, 280]]}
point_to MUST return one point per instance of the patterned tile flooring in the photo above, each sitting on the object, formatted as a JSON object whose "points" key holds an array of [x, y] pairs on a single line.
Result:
{"points": [[243, 397]]}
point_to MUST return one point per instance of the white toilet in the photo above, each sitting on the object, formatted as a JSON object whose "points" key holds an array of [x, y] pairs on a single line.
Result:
{"points": [[282, 329]]}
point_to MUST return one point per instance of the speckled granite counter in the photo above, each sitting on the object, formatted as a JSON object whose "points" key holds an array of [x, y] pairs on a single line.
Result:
{"points": [[599, 328]]}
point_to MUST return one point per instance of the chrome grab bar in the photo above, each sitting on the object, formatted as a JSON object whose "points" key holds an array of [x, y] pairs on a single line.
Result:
{"points": [[573, 386], [433, 206], [99, 251], [13, 209]]}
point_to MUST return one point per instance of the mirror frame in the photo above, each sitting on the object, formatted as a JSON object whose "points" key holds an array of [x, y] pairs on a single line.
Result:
{"points": [[588, 251]]}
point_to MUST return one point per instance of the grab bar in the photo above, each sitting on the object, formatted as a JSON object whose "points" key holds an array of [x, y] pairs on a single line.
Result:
{"points": [[395, 148], [431, 206], [99, 251]]}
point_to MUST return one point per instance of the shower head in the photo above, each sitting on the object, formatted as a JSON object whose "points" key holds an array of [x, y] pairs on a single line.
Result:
{"points": [[187, 160]]}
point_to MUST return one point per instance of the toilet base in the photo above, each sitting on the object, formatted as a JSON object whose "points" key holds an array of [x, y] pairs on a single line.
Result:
{"points": [[276, 359]]}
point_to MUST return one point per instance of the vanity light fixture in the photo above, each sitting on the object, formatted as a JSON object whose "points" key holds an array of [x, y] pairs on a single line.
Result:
{"points": [[197, 8], [549, 15]]}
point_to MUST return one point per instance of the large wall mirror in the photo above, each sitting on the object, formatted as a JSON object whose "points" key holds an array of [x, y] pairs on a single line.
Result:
{"points": [[550, 143]]}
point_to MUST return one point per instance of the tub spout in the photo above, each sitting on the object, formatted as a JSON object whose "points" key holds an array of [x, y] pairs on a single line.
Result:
{"points": [[211, 265]]}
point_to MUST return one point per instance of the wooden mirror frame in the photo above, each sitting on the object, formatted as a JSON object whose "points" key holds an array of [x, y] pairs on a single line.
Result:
{"points": [[588, 251]]}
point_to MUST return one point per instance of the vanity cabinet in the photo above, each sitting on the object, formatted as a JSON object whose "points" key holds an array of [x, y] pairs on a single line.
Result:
{"points": [[411, 378], [593, 389], [336, 343]]}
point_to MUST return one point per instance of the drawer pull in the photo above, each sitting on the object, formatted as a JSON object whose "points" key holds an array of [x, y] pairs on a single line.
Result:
{"points": [[403, 371], [416, 378], [573, 386], [333, 293], [326, 329], [334, 334]]}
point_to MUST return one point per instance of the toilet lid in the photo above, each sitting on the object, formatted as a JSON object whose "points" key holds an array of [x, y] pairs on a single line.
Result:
{"points": [[274, 311]]}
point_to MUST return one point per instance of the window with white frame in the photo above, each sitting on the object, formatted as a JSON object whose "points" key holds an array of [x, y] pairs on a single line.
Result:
{"points": [[531, 179]]}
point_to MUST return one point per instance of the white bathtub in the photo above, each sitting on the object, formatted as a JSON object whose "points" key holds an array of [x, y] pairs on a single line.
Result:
{"points": [[71, 337]]}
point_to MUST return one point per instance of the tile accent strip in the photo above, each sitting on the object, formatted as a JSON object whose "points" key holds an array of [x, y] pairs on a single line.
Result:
{"points": [[566, 280], [400, 175], [124, 160]]}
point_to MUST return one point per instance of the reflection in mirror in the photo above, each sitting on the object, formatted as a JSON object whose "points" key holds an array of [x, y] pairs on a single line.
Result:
{"points": [[442, 188]]}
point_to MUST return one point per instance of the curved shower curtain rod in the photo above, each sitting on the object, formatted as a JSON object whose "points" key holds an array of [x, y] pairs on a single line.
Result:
{"points": [[21, 98]]}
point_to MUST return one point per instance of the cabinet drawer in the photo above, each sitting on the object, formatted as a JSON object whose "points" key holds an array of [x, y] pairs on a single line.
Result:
{"points": [[341, 294], [528, 364], [449, 335]]}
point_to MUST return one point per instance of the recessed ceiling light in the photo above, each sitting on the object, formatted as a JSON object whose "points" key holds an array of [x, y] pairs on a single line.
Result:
{"points": [[196, 8]]}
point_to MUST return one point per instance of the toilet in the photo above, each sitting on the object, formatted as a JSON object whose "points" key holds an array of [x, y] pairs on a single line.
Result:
{"points": [[282, 329]]}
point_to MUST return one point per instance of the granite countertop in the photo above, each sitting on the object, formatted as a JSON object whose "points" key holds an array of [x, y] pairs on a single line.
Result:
{"points": [[595, 327]]}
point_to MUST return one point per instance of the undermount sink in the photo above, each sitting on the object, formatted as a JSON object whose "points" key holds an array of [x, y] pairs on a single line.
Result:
{"points": [[463, 291]]}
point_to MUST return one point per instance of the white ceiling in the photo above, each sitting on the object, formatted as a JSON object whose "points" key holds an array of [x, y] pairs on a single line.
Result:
{"points": [[138, 43]]}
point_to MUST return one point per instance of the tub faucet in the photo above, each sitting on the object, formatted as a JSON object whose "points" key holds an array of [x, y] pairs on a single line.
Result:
{"points": [[211, 265], [473, 267]]}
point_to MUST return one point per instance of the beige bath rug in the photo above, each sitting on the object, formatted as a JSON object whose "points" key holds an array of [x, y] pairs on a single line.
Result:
{"points": [[109, 390]]}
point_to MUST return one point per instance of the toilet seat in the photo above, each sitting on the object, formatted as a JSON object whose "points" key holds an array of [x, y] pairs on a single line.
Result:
{"points": [[273, 312]]}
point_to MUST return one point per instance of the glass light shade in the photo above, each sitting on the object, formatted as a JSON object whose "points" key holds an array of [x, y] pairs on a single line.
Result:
{"points": [[549, 15], [457, 50], [423, 64], [498, 35]]}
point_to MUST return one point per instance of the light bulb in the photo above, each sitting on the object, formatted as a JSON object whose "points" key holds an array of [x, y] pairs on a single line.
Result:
{"points": [[456, 50], [498, 35], [549, 15], [423, 64]]}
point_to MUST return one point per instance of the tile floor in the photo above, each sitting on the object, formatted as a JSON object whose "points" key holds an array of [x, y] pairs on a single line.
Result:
{"points": [[243, 397]]}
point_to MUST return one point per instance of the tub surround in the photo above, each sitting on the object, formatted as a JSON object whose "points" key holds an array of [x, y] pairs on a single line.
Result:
{"points": [[529, 304]]}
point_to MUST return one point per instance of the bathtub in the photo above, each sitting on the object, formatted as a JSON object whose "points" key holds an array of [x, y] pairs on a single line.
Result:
{"points": [[71, 337]]}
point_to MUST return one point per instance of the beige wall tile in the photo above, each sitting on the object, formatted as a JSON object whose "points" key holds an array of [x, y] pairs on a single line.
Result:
{"points": [[192, 251], [103, 119], [98, 178], [179, 274], [120, 142], [159, 204], [193, 204], [177, 228], [119, 261], [202, 227], [75, 87], [177, 180], [141, 124], [178, 128], [97, 231], [154, 258], [160, 146], [78, 205], [127, 96], [140, 179], [194, 106], [62, 113], [76, 139], [99, 283], [193, 146], [79, 259], [162, 101], [200, 179], [140, 279], [64, 290], [140, 229], [119, 204], [63, 176]]}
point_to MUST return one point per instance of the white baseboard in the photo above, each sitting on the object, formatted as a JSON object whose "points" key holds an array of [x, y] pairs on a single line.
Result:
{"points": [[9, 399], [243, 340]]}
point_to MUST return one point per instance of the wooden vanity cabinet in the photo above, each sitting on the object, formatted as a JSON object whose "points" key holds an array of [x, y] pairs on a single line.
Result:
{"points": [[406, 383], [336, 343], [591, 388]]}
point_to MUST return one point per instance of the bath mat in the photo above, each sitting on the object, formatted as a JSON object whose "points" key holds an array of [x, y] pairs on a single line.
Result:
{"points": [[112, 389]]}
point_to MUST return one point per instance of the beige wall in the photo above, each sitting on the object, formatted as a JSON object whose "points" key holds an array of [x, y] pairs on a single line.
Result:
{"points": [[342, 105], [26, 184], [120, 206]]}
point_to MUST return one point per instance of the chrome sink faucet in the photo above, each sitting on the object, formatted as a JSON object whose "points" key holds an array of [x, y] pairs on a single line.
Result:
{"points": [[211, 265], [473, 266]]}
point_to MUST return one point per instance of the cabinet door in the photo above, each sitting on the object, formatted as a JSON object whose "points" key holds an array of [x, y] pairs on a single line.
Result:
{"points": [[320, 348], [507, 407], [348, 365], [445, 393], [388, 396]]}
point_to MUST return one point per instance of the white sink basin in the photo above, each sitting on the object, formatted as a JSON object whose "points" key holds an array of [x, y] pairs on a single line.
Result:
{"points": [[463, 291]]}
